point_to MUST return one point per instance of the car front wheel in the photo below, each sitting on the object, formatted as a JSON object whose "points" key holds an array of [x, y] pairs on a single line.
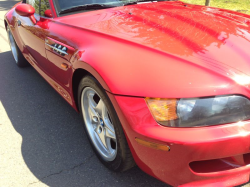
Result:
{"points": [[103, 127]]}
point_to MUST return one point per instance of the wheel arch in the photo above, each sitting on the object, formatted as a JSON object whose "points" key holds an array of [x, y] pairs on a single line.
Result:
{"points": [[5, 24], [77, 77], [80, 72]]}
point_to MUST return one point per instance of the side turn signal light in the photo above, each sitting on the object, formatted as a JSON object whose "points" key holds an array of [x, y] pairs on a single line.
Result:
{"points": [[152, 145]]}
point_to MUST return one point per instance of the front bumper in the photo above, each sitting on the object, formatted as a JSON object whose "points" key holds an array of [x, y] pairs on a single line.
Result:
{"points": [[207, 156]]}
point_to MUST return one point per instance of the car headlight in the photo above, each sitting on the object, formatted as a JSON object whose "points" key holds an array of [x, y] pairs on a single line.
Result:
{"points": [[199, 111]]}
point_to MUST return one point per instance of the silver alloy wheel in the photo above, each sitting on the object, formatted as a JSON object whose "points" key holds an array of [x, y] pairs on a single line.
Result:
{"points": [[98, 124], [12, 45]]}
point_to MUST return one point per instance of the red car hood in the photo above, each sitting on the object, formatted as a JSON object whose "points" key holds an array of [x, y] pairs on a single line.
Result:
{"points": [[209, 37]]}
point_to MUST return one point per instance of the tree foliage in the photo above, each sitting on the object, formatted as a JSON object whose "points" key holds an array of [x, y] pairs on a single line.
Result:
{"points": [[44, 6], [40, 6]]}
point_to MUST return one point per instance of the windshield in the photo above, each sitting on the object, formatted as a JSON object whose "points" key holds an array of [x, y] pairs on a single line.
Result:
{"points": [[69, 4], [66, 4]]}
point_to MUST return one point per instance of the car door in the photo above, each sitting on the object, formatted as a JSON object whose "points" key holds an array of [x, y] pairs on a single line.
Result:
{"points": [[32, 35], [50, 56]]}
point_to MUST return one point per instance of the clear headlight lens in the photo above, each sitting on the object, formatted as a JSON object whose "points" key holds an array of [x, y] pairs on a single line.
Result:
{"points": [[199, 111]]}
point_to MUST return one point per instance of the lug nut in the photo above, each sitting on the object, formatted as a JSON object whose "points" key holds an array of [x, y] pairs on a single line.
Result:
{"points": [[95, 119]]}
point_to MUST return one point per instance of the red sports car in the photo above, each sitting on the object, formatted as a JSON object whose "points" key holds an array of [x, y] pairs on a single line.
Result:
{"points": [[162, 84]]}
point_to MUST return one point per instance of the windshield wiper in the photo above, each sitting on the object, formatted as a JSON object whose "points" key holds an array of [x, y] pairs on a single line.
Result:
{"points": [[85, 7], [141, 1]]}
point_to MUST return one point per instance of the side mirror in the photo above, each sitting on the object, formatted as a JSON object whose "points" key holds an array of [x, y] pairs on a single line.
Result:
{"points": [[26, 10], [48, 13]]}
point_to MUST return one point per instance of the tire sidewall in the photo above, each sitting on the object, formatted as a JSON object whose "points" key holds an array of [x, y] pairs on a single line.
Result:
{"points": [[114, 165], [21, 61]]}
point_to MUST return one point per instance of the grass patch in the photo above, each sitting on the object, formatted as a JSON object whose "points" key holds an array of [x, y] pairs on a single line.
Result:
{"points": [[242, 6]]}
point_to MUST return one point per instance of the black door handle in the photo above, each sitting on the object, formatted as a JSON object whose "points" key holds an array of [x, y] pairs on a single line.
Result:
{"points": [[19, 23]]}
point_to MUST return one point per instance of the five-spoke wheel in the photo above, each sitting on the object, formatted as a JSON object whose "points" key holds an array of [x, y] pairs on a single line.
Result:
{"points": [[103, 126], [99, 124]]}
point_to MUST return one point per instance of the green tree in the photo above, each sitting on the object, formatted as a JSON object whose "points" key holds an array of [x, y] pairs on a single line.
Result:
{"points": [[40, 5], [44, 6]]}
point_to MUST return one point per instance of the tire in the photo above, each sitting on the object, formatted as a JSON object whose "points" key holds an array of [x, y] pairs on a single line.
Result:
{"points": [[17, 54], [103, 127]]}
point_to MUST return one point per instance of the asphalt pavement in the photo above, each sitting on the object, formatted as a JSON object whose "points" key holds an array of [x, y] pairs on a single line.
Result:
{"points": [[42, 141]]}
